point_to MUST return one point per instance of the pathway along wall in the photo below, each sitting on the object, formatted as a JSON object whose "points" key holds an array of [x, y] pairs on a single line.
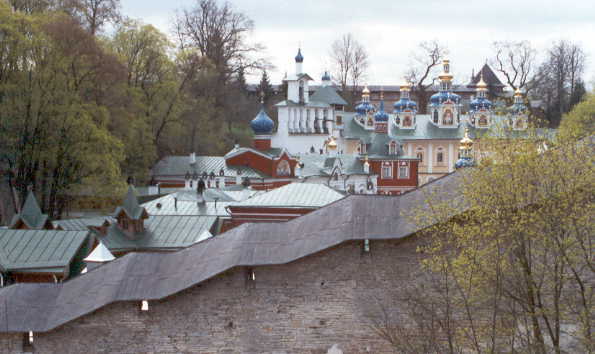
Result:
{"points": [[305, 306]]}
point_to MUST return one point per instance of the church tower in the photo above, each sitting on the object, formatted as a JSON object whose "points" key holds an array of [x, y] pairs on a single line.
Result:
{"points": [[480, 108], [405, 109], [365, 110], [445, 106], [518, 112]]}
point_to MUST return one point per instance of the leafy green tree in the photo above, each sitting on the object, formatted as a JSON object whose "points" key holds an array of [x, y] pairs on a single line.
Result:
{"points": [[514, 272]]}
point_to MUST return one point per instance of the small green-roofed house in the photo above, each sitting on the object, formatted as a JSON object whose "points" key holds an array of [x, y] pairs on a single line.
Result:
{"points": [[282, 204], [135, 231], [42, 255]]}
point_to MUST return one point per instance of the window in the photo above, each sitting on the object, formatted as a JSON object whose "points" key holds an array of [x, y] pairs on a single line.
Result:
{"points": [[436, 116], [407, 121], [362, 148], [387, 170], [447, 117], [403, 172], [283, 168], [440, 156], [483, 120], [339, 120], [392, 150]]}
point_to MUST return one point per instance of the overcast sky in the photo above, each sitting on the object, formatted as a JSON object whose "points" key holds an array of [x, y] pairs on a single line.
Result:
{"points": [[391, 29]]}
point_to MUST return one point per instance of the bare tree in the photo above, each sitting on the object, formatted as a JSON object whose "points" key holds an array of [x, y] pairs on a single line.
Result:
{"points": [[514, 60], [424, 61], [350, 64], [220, 33], [559, 78]]}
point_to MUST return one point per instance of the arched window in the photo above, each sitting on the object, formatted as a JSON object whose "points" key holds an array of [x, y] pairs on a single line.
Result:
{"points": [[436, 116], [447, 119], [407, 121], [420, 154], [483, 120], [283, 168], [440, 156]]}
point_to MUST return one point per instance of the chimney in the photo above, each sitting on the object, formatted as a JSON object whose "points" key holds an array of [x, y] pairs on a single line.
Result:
{"points": [[192, 158]]}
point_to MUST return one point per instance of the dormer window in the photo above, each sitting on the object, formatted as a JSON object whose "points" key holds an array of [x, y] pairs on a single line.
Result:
{"points": [[392, 149]]}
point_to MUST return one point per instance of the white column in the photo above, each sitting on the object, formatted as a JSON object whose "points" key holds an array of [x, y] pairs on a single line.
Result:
{"points": [[451, 157], [290, 120], [430, 158]]}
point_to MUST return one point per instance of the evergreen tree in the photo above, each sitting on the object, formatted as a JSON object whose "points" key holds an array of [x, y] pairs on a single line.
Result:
{"points": [[265, 88]]}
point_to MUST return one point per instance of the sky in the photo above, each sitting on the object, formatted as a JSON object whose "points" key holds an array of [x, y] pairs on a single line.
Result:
{"points": [[391, 30]]}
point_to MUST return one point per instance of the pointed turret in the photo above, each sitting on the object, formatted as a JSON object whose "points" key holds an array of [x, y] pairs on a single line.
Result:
{"points": [[31, 217], [262, 126], [131, 215]]}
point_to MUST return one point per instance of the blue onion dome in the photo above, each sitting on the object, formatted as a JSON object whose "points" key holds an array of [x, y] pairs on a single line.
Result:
{"points": [[479, 103], [262, 124], [381, 115], [299, 58], [405, 101], [465, 161], [365, 106], [326, 76], [403, 104], [443, 96]]}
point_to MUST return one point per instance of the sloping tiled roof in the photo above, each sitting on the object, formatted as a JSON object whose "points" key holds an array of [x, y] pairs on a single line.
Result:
{"points": [[180, 165], [31, 214], [161, 233], [327, 94], [39, 249], [294, 195], [152, 276], [489, 77]]}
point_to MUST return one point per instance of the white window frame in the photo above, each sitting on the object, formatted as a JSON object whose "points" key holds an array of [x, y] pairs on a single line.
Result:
{"points": [[388, 167], [406, 169]]}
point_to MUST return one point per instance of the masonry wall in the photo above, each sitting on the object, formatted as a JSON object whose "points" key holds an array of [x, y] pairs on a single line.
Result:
{"points": [[306, 306]]}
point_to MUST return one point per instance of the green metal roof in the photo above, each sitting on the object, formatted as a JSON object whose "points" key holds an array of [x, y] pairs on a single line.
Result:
{"points": [[161, 233], [81, 224], [167, 205], [327, 94], [314, 104], [39, 249], [180, 165], [30, 214], [294, 195], [323, 165]]}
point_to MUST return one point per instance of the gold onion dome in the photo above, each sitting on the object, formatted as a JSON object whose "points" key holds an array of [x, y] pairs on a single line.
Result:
{"points": [[481, 85], [366, 91], [466, 143], [331, 144], [405, 87], [518, 93]]}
